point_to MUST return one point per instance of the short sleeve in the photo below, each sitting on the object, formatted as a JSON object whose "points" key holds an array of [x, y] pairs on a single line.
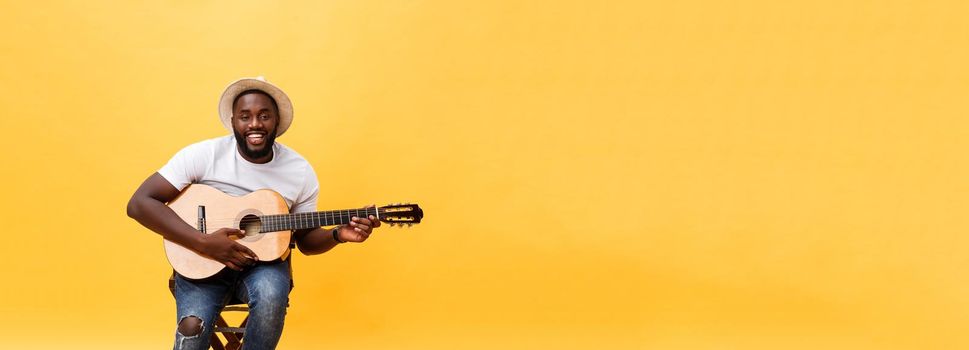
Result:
{"points": [[187, 166], [306, 201]]}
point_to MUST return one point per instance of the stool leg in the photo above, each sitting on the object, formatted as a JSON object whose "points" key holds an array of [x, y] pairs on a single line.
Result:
{"points": [[216, 342], [243, 325], [233, 341], [236, 343]]}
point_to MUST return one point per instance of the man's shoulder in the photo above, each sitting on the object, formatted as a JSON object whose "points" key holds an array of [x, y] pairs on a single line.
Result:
{"points": [[289, 158], [289, 154]]}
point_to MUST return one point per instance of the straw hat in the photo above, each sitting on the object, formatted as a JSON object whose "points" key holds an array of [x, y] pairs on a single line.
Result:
{"points": [[257, 83]]}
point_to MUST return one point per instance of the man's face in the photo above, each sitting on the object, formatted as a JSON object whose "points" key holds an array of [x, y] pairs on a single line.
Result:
{"points": [[254, 121]]}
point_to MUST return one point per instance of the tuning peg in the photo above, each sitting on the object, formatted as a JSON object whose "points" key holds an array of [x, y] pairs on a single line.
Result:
{"points": [[409, 225]]}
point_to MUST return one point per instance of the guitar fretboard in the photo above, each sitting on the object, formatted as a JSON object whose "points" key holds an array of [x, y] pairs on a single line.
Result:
{"points": [[299, 221]]}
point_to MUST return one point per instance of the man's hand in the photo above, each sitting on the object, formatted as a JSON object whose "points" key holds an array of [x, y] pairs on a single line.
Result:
{"points": [[359, 229], [218, 246]]}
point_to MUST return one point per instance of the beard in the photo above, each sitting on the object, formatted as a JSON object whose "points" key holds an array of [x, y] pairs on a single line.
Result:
{"points": [[267, 147]]}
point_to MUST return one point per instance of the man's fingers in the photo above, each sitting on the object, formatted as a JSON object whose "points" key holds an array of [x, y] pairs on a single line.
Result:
{"points": [[376, 223], [237, 259], [232, 265], [245, 252], [360, 227], [242, 262], [365, 220], [364, 223], [235, 232], [252, 254]]}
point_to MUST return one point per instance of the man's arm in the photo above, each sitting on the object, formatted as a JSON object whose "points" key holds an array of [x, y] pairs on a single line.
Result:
{"points": [[147, 206], [320, 240]]}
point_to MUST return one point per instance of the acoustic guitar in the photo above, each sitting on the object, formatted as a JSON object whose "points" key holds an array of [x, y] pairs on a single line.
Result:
{"points": [[266, 221]]}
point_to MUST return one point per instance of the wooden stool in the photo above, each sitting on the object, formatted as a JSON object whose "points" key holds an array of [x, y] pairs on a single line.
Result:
{"points": [[232, 335]]}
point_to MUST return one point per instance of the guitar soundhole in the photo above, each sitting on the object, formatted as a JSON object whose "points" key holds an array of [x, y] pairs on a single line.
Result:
{"points": [[251, 225]]}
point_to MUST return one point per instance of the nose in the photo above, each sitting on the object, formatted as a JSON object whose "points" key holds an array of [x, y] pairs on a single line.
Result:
{"points": [[255, 123]]}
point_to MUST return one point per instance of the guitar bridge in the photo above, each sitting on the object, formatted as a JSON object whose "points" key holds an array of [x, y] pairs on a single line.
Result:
{"points": [[201, 224]]}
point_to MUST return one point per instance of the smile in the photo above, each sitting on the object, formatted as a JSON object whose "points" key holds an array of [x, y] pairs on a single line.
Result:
{"points": [[256, 138]]}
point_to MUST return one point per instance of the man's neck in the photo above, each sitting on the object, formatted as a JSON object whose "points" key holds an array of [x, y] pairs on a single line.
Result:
{"points": [[262, 160]]}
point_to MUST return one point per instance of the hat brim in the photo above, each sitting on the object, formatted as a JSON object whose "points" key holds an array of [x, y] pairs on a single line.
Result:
{"points": [[244, 84]]}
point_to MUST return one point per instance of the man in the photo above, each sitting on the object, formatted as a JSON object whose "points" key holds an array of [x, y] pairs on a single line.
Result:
{"points": [[256, 112]]}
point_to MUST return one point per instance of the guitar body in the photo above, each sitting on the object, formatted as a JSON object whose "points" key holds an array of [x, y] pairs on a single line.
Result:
{"points": [[223, 210]]}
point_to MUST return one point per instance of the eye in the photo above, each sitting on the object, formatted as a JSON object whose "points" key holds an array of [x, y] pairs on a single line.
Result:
{"points": [[264, 117]]}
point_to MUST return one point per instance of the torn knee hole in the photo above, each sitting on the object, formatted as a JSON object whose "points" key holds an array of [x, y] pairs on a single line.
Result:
{"points": [[190, 326]]}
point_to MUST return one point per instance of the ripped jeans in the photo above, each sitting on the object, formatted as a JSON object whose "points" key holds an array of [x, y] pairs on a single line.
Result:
{"points": [[265, 287]]}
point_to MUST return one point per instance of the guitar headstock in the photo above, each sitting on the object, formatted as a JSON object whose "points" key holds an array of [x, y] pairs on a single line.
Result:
{"points": [[401, 214]]}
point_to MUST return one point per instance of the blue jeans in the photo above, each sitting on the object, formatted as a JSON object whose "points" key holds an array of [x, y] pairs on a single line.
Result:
{"points": [[265, 287]]}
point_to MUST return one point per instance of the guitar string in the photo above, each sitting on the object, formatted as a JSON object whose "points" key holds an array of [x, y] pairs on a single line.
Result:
{"points": [[322, 214], [233, 222], [340, 213], [295, 222], [222, 224], [295, 217], [329, 213]]}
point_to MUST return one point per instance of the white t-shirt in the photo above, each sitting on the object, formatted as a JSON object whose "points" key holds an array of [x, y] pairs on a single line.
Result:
{"points": [[217, 163]]}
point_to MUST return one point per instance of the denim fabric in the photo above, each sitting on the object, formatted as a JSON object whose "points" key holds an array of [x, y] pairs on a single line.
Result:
{"points": [[265, 287]]}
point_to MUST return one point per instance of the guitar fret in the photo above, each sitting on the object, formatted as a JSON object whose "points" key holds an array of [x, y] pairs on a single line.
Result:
{"points": [[304, 220]]}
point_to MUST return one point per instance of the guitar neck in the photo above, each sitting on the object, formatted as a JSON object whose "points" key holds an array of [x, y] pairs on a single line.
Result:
{"points": [[299, 221]]}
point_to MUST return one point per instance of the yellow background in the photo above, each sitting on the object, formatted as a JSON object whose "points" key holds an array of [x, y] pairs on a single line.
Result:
{"points": [[612, 175]]}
